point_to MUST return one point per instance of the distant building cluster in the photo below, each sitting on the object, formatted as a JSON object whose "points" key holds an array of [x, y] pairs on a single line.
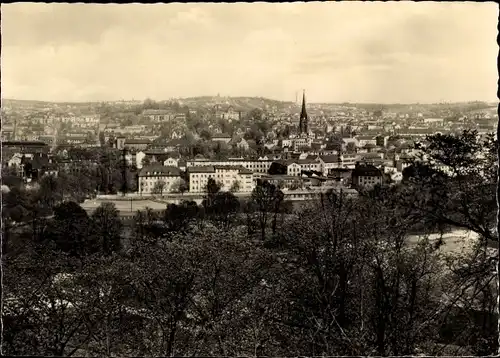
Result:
{"points": [[296, 147]]}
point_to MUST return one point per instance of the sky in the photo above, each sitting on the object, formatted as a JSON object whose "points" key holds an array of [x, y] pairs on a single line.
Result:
{"points": [[396, 52]]}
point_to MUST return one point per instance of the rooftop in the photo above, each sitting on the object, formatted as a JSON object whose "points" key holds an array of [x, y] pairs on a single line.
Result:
{"points": [[366, 170], [160, 169]]}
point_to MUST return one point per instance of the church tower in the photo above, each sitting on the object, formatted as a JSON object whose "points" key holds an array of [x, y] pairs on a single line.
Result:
{"points": [[303, 123]]}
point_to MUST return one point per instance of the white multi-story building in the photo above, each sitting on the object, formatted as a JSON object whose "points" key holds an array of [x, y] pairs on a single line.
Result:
{"points": [[151, 176], [171, 162], [365, 139], [308, 164], [226, 176], [293, 169], [328, 162], [299, 143], [256, 166]]}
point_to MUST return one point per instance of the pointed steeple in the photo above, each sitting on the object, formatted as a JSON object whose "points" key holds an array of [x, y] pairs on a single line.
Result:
{"points": [[303, 116]]}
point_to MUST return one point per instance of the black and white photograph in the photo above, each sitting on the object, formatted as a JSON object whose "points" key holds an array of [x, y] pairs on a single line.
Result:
{"points": [[311, 179]]}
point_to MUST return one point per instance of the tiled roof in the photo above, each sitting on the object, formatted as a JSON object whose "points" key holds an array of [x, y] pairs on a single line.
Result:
{"points": [[160, 169], [201, 169], [330, 158], [137, 141], [366, 170], [307, 161], [18, 143], [372, 155]]}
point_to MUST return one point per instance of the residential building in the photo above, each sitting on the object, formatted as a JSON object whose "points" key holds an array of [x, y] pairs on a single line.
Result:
{"points": [[120, 143], [381, 140], [222, 137], [150, 176], [366, 176], [329, 162], [256, 166], [366, 139], [300, 143], [433, 120], [172, 161], [288, 167], [138, 144], [26, 146], [158, 115], [309, 164], [342, 175], [226, 176], [350, 142], [284, 181]]}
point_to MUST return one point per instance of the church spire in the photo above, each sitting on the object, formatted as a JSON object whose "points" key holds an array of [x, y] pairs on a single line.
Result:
{"points": [[303, 116]]}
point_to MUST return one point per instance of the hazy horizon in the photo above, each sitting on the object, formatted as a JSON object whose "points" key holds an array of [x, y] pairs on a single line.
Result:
{"points": [[493, 102], [357, 52]]}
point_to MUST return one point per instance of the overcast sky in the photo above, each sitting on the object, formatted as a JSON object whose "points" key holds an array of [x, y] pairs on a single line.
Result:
{"points": [[347, 51]]}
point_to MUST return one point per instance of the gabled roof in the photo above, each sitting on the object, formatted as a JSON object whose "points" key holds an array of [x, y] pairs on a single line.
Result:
{"points": [[173, 155]]}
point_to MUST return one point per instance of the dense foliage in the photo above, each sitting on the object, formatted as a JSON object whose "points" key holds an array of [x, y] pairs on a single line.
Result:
{"points": [[340, 276]]}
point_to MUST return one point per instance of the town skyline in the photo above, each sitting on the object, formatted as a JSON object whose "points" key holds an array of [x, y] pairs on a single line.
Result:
{"points": [[403, 53]]}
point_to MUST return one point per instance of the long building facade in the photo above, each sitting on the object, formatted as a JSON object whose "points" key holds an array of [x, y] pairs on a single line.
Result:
{"points": [[238, 179]]}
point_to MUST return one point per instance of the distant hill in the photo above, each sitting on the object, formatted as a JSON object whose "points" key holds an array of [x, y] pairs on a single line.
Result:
{"points": [[34, 102], [238, 103], [248, 103]]}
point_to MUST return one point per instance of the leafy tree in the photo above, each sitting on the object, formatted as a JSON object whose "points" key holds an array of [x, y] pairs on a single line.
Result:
{"points": [[180, 217], [146, 161], [183, 187], [267, 199], [102, 139], [69, 231], [235, 187], [456, 182], [10, 177], [223, 208], [16, 205], [180, 186], [206, 135], [159, 187], [212, 187], [50, 191], [107, 228], [295, 185]]}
